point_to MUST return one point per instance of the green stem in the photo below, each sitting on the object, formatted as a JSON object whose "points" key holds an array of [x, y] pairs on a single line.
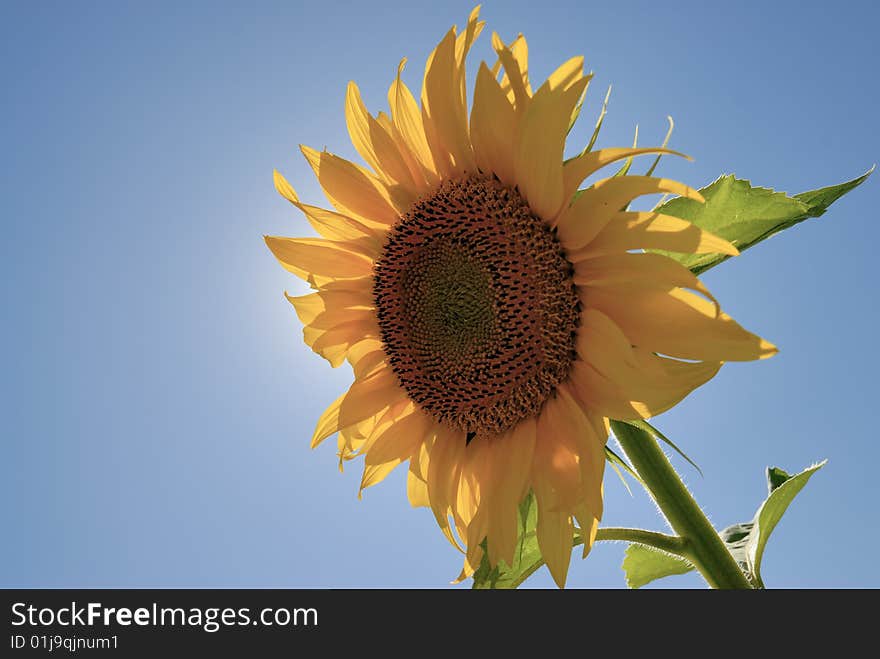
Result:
{"points": [[671, 544], [705, 549]]}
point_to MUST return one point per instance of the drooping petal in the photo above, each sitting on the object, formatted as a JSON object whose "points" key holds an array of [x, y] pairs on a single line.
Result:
{"points": [[555, 532], [591, 438], [511, 459], [556, 470], [475, 472], [444, 469]]}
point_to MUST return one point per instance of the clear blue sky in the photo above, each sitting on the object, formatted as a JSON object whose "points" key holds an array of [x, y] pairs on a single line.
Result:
{"points": [[157, 399]]}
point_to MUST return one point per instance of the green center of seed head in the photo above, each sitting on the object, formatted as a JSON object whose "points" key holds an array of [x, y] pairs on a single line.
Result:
{"points": [[450, 295]]}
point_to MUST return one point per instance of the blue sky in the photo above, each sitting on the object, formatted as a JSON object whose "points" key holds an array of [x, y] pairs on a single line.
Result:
{"points": [[157, 400]]}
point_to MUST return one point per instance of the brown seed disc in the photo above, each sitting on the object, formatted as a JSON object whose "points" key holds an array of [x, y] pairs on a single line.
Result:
{"points": [[476, 304]]}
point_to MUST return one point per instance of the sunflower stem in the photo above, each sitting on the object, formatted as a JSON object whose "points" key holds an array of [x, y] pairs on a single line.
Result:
{"points": [[704, 547], [671, 544]]}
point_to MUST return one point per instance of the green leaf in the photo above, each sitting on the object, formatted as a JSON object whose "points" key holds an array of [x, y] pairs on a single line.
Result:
{"points": [[643, 564], [746, 215], [775, 478], [782, 493], [746, 541], [819, 200]]}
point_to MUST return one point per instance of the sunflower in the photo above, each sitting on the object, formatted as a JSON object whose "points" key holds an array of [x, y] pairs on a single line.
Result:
{"points": [[496, 316]]}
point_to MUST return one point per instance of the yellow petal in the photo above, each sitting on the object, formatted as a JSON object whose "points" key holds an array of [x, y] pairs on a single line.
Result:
{"points": [[400, 439], [463, 44], [335, 347], [539, 153], [366, 356], [511, 465], [361, 285], [493, 124], [568, 74], [335, 342], [589, 529], [598, 204], [444, 469], [407, 120], [416, 488], [444, 115], [397, 442], [649, 230], [319, 308], [353, 190], [476, 531], [580, 167], [652, 383], [556, 469], [515, 59], [318, 256], [335, 317], [472, 561], [590, 439], [642, 270], [328, 422], [677, 323], [367, 397], [475, 470], [334, 226], [375, 144], [555, 532], [598, 393]]}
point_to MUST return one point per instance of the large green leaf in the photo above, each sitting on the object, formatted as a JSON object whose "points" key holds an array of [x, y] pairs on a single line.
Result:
{"points": [[746, 215], [643, 564]]}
